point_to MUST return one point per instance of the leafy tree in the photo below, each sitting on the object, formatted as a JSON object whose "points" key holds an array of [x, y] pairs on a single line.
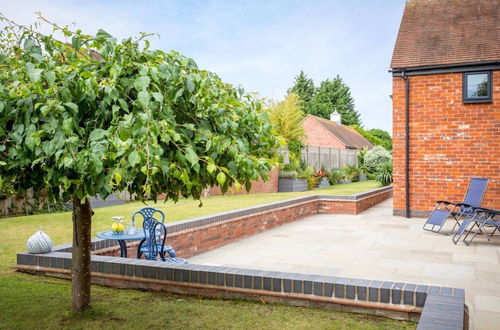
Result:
{"points": [[382, 135], [286, 117], [96, 116], [375, 140], [304, 87], [334, 95]]}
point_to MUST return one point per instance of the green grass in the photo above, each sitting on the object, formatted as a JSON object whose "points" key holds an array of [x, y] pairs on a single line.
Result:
{"points": [[28, 301]]}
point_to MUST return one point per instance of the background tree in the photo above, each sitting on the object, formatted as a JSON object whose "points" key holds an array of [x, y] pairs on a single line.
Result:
{"points": [[93, 116], [304, 87], [382, 135], [286, 117], [381, 139], [335, 95]]}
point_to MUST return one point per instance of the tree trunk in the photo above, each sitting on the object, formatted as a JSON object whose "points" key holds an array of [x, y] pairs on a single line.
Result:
{"points": [[80, 266]]}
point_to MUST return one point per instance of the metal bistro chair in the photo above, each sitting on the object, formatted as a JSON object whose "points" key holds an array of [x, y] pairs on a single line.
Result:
{"points": [[480, 219], [145, 213], [473, 198], [155, 234]]}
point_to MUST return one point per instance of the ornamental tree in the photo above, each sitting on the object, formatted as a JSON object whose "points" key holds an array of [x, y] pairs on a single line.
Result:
{"points": [[334, 94], [84, 115]]}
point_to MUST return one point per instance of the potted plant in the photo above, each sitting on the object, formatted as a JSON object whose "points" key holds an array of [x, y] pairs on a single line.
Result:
{"points": [[289, 179], [335, 175], [321, 178]]}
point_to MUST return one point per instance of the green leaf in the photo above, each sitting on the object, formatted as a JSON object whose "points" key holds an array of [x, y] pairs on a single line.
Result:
{"points": [[76, 42], [142, 83], [118, 177], [72, 106], [33, 74], [190, 85], [158, 97], [211, 168], [134, 158], [102, 35], [97, 134], [221, 178], [143, 98], [191, 156]]}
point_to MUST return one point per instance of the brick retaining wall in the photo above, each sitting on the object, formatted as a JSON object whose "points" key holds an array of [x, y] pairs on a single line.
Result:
{"points": [[195, 236]]}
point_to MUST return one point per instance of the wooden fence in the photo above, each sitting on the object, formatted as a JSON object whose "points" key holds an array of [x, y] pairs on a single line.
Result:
{"points": [[329, 158]]}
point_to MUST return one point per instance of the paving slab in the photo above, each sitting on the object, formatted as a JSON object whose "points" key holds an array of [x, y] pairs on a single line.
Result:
{"points": [[376, 245]]}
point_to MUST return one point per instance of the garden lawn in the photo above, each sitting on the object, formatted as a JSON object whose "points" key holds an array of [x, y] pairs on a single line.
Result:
{"points": [[28, 301]]}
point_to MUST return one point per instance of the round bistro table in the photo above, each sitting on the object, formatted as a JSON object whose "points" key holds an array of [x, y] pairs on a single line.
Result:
{"points": [[121, 238]]}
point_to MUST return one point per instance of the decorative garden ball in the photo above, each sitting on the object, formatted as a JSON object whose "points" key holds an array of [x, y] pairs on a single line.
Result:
{"points": [[39, 243]]}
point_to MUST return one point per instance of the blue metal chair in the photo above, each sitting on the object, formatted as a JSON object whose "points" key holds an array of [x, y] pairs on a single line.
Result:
{"points": [[148, 212], [480, 218], [155, 234], [473, 198], [145, 213]]}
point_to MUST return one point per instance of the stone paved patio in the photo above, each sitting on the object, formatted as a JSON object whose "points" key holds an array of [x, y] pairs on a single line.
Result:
{"points": [[376, 245]]}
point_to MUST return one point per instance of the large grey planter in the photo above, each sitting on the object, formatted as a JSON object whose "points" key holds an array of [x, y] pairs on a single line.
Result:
{"points": [[288, 185], [324, 183], [362, 177]]}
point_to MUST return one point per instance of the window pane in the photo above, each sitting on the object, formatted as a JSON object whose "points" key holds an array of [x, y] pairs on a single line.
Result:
{"points": [[477, 85]]}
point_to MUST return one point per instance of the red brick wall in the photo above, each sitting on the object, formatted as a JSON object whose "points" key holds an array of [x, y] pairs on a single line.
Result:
{"points": [[317, 135], [190, 242], [450, 141], [258, 187]]}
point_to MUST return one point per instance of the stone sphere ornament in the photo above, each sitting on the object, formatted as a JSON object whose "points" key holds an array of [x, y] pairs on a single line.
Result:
{"points": [[39, 243]]}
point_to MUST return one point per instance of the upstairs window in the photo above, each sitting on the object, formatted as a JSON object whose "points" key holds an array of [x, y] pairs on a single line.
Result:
{"points": [[476, 87]]}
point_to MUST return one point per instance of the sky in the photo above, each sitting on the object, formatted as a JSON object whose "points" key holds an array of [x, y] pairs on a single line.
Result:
{"points": [[259, 45]]}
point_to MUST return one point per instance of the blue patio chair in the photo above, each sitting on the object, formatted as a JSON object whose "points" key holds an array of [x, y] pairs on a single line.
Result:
{"points": [[457, 211], [148, 212], [480, 219], [155, 234]]}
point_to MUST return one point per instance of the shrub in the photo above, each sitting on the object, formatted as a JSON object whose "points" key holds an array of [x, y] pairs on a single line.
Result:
{"points": [[384, 174], [312, 182], [352, 173], [335, 175], [288, 174], [375, 157]]}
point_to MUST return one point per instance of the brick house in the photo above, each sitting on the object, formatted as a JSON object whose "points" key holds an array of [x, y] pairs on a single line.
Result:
{"points": [[446, 102], [331, 133]]}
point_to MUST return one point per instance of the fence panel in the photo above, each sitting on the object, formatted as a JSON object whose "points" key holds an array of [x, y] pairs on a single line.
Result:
{"points": [[329, 158]]}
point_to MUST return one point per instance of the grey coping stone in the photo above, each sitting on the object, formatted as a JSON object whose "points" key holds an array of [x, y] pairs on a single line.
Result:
{"points": [[267, 283], [459, 292], [446, 291], [318, 288], [247, 281], [287, 285], [397, 292], [339, 287], [362, 290], [442, 312], [385, 291], [238, 280], [421, 295], [203, 277], [257, 282], [373, 291], [277, 284], [297, 286], [229, 279], [212, 278], [351, 288], [328, 289], [26, 259], [409, 294]]}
